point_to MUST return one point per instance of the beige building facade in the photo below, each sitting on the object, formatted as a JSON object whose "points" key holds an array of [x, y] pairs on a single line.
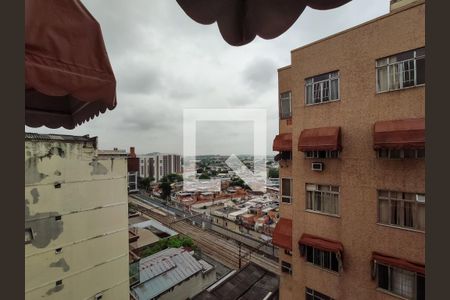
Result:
{"points": [[76, 229], [354, 104]]}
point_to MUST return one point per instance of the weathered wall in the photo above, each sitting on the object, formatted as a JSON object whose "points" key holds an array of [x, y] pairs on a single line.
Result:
{"points": [[358, 172], [76, 201]]}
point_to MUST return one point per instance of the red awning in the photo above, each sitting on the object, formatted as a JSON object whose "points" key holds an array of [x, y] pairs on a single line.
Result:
{"points": [[240, 21], [320, 139], [68, 77], [321, 243], [399, 262], [282, 142], [400, 134], [282, 235]]}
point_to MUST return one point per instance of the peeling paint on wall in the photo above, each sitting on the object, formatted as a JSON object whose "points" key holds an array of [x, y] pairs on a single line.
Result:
{"points": [[32, 175], [61, 263], [35, 194], [98, 168], [44, 226], [55, 289]]}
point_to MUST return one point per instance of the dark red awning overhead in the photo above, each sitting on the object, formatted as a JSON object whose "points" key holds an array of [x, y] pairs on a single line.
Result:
{"points": [[321, 243], [320, 139], [241, 21], [400, 134], [282, 235], [282, 142], [68, 77], [399, 263]]}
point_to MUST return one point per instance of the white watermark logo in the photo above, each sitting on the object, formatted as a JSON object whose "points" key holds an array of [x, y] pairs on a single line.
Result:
{"points": [[256, 180]]}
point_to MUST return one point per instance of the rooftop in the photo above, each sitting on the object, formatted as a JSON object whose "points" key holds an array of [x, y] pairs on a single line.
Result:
{"points": [[251, 282], [30, 136], [166, 269]]}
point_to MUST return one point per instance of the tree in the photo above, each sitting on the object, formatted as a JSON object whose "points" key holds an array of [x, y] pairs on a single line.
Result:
{"points": [[204, 176], [166, 188], [171, 178], [273, 173], [144, 183]]}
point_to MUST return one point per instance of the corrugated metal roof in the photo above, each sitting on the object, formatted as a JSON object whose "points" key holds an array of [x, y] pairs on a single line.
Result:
{"points": [[164, 270], [249, 283], [58, 137]]}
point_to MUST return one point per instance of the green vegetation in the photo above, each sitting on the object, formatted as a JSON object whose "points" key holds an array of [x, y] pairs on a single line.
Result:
{"points": [[273, 173], [236, 181], [204, 176], [173, 242], [144, 183], [166, 182]]}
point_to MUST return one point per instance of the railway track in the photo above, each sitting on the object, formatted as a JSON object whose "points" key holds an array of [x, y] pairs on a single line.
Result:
{"points": [[212, 244]]}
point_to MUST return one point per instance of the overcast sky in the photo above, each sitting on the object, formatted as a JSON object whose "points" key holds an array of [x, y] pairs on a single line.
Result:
{"points": [[164, 61]]}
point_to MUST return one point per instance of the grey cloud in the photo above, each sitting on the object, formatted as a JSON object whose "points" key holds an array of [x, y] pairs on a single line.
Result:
{"points": [[260, 74], [164, 62]]}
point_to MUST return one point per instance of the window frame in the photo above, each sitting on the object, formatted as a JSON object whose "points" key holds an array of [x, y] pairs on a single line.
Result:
{"points": [[402, 154], [31, 234], [328, 193], [286, 267], [329, 154], [309, 292], [280, 105], [321, 259], [390, 289], [400, 64], [290, 197], [310, 82], [401, 209]]}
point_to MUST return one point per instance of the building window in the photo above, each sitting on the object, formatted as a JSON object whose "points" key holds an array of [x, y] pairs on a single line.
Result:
{"points": [[285, 105], [324, 259], [322, 88], [401, 153], [286, 190], [406, 210], [288, 252], [28, 235], [315, 295], [322, 198], [401, 282], [400, 71], [322, 154], [286, 267]]}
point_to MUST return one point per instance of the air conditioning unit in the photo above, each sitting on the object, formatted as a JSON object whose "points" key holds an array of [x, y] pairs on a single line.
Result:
{"points": [[317, 166], [420, 198]]}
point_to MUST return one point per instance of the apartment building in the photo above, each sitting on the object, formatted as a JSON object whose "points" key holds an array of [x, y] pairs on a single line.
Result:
{"points": [[351, 149], [133, 171], [158, 165], [76, 229]]}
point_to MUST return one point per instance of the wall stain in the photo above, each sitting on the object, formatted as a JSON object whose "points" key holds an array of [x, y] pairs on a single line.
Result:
{"points": [[55, 289], [98, 168], [32, 175], [45, 228], [61, 263], [57, 173], [35, 194]]}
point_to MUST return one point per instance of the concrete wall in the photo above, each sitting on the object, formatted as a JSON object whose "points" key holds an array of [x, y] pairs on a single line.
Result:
{"points": [[76, 205], [358, 172]]}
